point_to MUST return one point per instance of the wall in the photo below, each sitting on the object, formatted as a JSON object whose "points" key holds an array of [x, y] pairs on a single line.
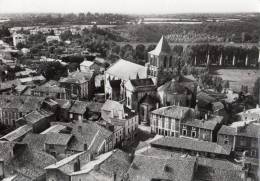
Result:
{"points": [[56, 175]]}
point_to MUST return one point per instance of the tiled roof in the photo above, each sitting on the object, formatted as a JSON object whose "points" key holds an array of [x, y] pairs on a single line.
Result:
{"points": [[77, 77], [78, 107], [29, 163], [204, 124], [250, 130], [58, 139], [85, 133], [112, 105], [178, 85], [146, 168], [36, 116], [126, 70], [54, 129], [63, 103], [35, 141], [17, 133], [22, 103], [50, 89], [176, 112], [86, 63], [161, 47], [64, 161], [190, 144]]}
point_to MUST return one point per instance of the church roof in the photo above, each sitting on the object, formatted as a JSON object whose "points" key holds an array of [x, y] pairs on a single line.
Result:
{"points": [[161, 47]]}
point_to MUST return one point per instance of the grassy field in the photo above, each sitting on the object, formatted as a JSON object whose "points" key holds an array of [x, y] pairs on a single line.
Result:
{"points": [[238, 77]]}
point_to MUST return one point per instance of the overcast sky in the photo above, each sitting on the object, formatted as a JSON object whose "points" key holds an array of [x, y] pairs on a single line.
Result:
{"points": [[129, 6]]}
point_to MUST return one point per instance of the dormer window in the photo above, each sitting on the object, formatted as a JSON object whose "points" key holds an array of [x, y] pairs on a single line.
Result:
{"points": [[226, 140]]}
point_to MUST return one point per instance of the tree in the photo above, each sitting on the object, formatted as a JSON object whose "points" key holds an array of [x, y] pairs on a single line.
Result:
{"points": [[66, 35], [52, 70]]}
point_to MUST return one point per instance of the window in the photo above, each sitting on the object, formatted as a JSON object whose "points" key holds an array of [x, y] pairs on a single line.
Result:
{"points": [[172, 133], [184, 132], [226, 140], [253, 153], [170, 61], [165, 61], [193, 134]]}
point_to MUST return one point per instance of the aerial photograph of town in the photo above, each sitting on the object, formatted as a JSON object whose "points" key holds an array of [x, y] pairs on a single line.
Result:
{"points": [[129, 90]]}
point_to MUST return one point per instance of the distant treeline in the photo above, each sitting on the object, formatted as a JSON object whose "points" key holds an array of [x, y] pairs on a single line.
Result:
{"points": [[241, 31], [61, 19]]}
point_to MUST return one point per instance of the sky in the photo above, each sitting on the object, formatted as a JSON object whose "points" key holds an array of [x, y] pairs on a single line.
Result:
{"points": [[129, 6]]}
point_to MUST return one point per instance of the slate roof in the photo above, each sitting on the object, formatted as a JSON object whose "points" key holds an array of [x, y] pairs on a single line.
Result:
{"points": [[126, 70], [146, 168], [17, 133], [58, 139], [77, 77], [176, 112], [190, 144], [161, 47], [50, 89]]}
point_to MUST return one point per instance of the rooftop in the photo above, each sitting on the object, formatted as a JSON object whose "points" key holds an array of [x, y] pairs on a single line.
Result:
{"points": [[161, 47], [86, 63], [190, 144], [147, 168], [17, 133], [126, 70], [77, 77], [58, 139], [176, 112]]}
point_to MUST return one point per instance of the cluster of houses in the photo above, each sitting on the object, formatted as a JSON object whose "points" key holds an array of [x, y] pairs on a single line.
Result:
{"points": [[61, 133]]}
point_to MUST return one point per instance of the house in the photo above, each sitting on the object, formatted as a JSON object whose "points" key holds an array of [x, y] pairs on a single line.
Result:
{"points": [[80, 85], [160, 64], [203, 129], [193, 147], [52, 38], [241, 137], [123, 70], [57, 143], [63, 109], [88, 136], [181, 91], [18, 38], [208, 102], [167, 120], [19, 162], [13, 107], [50, 89], [78, 110], [123, 120], [86, 66], [109, 166]]}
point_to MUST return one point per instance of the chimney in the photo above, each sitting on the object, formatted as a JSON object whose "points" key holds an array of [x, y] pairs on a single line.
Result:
{"points": [[112, 113], [114, 176], [2, 175], [157, 105], [257, 106], [206, 116]]}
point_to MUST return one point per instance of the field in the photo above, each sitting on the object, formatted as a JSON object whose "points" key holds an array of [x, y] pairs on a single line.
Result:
{"points": [[238, 77]]}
